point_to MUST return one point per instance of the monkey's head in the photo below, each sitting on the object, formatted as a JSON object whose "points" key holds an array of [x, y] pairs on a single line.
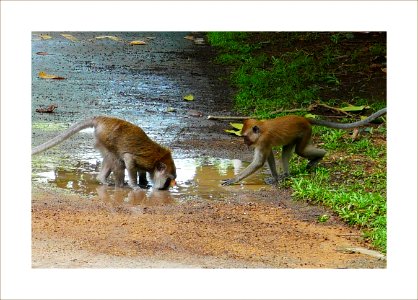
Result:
{"points": [[164, 174], [251, 131]]}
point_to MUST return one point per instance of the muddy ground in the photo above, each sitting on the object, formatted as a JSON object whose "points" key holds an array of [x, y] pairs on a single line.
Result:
{"points": [[78, 223]]}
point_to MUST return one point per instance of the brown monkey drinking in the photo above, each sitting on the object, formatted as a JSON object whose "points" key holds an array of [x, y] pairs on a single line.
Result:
{"points": [[291, 132], [123, 145]]}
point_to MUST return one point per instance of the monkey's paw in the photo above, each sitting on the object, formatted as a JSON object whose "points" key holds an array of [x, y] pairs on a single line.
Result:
{"points": [[283, 177], [271, 180], [226, 182]]}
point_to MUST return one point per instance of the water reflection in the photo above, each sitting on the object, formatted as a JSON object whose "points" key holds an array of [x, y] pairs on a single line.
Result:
{"points": [[133, 197], [199, 177]]}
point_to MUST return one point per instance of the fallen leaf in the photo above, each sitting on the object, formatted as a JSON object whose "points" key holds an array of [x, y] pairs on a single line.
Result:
{"points": [[45, 36], [195, 113], [354, 108], [171, 109], [110, 37], [237, 129], [310, 116], [137, 43], [69, 37], [355, 134], [383, 70], [42, 53], [236, 132], [189, 37], [49, 109], [237, 126], [189, 97], [199, 41], [44, 75]]}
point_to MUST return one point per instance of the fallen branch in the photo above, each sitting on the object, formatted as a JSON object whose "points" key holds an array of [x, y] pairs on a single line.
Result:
{"points": [[317, 106], [227, 118], [321, 106], [289, 110]]}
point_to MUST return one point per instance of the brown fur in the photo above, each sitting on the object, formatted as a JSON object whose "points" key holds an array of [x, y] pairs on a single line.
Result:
{"points": [[291, 132], [279, 131], [123, 145], [119, 136]]}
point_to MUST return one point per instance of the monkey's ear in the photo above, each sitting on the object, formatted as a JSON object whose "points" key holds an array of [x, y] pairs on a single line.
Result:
{"points": [[256, 129], [160, 166]]}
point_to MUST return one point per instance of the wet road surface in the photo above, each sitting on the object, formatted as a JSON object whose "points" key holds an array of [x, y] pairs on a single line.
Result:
{"points": [[76, 222]]}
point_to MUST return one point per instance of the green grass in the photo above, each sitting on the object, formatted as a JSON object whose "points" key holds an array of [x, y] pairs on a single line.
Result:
{"points": [[352, 177], [360, 204], [351, 180]]}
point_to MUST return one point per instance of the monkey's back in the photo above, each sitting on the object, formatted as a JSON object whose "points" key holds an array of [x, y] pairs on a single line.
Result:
{"points": [[122, 137], [284, 130]]}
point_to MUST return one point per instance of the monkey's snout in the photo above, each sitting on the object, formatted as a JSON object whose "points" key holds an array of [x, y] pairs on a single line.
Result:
{"points": [[247, 141], [166, 185]]}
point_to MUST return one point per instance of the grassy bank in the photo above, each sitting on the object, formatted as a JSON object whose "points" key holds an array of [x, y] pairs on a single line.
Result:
{"points": [[276, 71]]}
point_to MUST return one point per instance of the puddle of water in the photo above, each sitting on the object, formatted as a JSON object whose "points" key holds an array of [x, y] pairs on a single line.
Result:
{"points": [[196, 178]]}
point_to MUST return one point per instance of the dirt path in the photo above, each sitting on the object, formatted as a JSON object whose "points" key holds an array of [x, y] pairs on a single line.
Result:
{"points": [[199, 224]]}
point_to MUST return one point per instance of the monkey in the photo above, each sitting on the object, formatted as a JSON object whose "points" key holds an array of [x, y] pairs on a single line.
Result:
{"points": [[123, 145], [291, 132]]}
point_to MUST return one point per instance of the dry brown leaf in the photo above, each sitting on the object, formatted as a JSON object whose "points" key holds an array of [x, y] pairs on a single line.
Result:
{"points": [[42, 53], [355, 134], [49, 109], [44, 75]]}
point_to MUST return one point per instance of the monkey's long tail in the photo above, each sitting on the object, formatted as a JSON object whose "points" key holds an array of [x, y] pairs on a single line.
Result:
{"points": [[64, 135], [349, 125]]}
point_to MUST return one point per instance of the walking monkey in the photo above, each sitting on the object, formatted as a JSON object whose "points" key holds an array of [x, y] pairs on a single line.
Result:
{"points": [[291, 132]]}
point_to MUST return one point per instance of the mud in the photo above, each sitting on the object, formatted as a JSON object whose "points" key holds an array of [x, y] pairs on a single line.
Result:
{"points": [[78, 223]]}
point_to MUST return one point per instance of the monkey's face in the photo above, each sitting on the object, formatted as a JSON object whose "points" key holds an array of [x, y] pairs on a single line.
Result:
{"points": [[250, 132], [164, 174]]}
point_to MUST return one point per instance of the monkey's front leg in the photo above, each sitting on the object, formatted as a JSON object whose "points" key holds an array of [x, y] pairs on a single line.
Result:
{"points": [[143, 182], [258, 161], [132, 170]]}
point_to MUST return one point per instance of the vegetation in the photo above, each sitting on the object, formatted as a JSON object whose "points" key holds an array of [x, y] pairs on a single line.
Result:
{"points": [[273, 71]]}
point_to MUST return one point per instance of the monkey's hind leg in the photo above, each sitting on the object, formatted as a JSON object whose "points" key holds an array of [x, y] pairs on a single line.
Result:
{"points": [[314, 155], [305, 149], [119, 173], [112, 164], [104, 173]]}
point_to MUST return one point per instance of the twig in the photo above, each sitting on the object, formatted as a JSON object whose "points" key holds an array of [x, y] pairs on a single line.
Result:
{"points": [[227, 118], [289, 110], [310, 108]]}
